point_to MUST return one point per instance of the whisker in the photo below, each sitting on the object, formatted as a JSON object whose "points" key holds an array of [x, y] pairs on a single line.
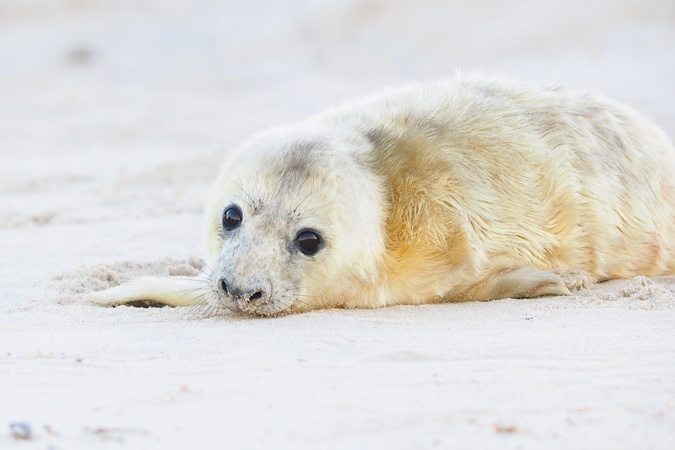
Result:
{"points": [[243, 200], [315, 208], [206, 309], [195, 312], [208, 267], [200, 269], [212, 311], [290, 301], [319, 300], [200, 311], [187, 291], [242, 190], [196, 301], [307, 296], [198, 280], [304, 200]]}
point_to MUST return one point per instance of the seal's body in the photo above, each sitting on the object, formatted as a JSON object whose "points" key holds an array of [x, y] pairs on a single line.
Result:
{"points": [[471, 188]]}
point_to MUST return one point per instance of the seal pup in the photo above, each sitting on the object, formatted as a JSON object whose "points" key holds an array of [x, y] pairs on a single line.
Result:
{"points": [[469, 188]]}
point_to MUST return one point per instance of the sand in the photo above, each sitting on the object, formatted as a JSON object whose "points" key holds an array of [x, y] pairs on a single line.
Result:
{"points": [[114, 117]]}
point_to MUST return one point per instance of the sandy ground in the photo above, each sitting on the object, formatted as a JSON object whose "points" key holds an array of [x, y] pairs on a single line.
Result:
{"points": [[114, 116]]}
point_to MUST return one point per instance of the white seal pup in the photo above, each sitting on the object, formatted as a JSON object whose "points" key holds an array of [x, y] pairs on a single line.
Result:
{"points": [[470, 188]]}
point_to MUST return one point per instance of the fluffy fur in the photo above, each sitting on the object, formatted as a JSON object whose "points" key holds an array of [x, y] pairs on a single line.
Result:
{"points": [[470, 188]]}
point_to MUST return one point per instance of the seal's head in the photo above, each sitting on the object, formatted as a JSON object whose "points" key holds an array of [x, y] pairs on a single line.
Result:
{"points": [[295, 222]]}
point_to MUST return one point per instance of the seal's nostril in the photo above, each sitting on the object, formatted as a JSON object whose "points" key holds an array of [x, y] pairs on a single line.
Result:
{"points": [[223, 285], [256, 296]]}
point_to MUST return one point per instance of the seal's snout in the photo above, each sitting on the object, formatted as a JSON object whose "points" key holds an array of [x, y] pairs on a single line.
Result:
{"points": [[256, 294]]}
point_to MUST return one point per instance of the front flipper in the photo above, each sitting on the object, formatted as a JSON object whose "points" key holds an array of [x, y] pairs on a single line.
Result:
{"points": [[523, 282], [171, 291]]}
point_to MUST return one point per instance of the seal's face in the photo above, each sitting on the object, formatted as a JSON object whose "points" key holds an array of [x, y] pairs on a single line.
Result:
{"points": [[265, 252], [292, 227]]}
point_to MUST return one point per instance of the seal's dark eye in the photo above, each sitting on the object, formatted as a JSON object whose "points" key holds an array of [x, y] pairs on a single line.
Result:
{"points": [[232, 218], [309, 242]]}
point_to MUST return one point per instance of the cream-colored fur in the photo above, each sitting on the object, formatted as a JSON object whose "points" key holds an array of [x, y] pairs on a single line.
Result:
{"points": [[470, 188]]}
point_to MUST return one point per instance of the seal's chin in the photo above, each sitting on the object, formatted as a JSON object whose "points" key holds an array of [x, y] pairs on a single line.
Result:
{"points": [[266, 309], [270, 308]]}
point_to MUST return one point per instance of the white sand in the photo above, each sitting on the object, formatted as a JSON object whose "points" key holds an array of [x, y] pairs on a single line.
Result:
{"points": [[114, 116]]}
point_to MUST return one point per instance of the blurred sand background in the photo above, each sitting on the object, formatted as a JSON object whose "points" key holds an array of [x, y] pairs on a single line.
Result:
{"points": [[114, 117]]}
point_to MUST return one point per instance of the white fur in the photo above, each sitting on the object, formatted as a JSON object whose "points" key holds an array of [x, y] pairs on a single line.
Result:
{"points": [[467, 188]]}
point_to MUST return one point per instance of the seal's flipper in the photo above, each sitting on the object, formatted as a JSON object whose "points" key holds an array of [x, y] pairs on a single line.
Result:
{"points": [[170, 291], [523, 282]]}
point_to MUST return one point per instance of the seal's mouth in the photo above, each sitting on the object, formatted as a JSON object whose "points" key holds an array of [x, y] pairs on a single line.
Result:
{"points": [[267, 308], [259, 298], [242, 298], [258, 307]]}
